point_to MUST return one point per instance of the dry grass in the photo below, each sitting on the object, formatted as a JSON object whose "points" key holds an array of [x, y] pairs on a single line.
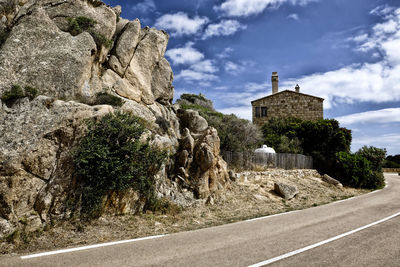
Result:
{"points": [[244, 200]]}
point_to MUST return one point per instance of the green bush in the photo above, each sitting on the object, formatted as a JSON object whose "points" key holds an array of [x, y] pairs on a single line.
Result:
{"points": [[235, 134], [392, 162], [16, 92], [320, 139], [375, 156], [31, 92], [80, 24], [112, 158], [77, 25], [108, 99], [356, 171], [100, 39]]}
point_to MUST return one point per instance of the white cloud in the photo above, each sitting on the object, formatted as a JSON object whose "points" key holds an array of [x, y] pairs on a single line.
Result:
{"points": [[293, 17], [193, 76], [224, 28], [237, 68], [389, 115], [207, 66], [245, 8], [144, 7], [226, 53], [185, 55], [375, 82], [390, 141], [381, 10], [233, 68], [359, 38], [180, 24]]}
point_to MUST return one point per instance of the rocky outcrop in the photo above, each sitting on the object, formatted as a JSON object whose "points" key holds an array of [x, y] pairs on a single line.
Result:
{"points": [[38, 137], [286, 191]]}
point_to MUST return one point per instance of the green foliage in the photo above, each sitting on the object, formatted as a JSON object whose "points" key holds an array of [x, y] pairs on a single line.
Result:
{"points": [[15, 93], [100, 39], [392, 162], [357, 171], [192, 97], [108, 99], [329, 145], [320, 139], [287, 145], [112, 158], [31, 92], [235, 134], [11, 96], [80, 24], [375, 156]]}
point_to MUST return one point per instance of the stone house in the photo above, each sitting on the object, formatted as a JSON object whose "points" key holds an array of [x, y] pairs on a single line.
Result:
{"points": [[285, 104]]}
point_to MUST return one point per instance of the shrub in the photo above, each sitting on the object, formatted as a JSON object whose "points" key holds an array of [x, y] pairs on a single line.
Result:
{"points": [[108, 99], [80, 24], [15, 93], [320, 139], [375, 156], [235, 134], [356, 171], [392, 162], [31, 92], [112, 158], [100, 39]]}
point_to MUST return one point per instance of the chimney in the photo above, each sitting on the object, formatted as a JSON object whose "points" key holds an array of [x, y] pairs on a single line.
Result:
{"points": [[275, 80], [297, 88]]}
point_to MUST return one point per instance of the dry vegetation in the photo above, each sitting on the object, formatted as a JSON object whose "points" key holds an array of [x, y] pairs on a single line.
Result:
{"points": [[244, 200]]}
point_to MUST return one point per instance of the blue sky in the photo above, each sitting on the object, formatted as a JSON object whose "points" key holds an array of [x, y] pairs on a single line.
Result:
{"points": [[346, 51]]}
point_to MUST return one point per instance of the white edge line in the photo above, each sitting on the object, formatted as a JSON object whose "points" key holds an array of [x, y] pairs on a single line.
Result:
{"points": [[88, 247], [298, 251], [334, 202]]}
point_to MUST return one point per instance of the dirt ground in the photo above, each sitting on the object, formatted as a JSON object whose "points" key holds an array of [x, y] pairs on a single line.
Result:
{"points": [[244, 200]]}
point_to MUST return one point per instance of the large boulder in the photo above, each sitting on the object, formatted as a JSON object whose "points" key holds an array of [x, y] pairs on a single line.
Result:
{"points": [[38, 54], [38, 137], [286, 191]]}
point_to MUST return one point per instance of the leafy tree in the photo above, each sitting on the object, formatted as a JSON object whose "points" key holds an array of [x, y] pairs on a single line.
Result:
{"points": [[392, 162], [235, 134], [111, 157], [357, 171]]}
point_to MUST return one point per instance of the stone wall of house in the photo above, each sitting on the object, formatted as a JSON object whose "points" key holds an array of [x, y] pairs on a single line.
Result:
{"points": [[289, 104]]}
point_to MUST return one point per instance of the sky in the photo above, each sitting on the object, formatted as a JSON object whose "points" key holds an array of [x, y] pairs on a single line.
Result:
{"points": [[345, 51]]}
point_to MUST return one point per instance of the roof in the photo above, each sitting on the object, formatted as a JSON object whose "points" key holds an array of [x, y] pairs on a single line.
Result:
{"points": [[289, 91]]}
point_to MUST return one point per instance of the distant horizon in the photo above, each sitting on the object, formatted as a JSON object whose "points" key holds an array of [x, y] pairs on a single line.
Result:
{"points": [[343, 51]]}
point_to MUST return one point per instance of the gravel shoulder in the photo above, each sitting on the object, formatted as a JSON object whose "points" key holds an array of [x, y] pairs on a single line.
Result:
{"points": [[251, 196]]}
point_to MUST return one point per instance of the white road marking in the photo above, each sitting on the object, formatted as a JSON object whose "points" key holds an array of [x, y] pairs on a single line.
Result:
{"points": [[301, 250], [88, 247]]}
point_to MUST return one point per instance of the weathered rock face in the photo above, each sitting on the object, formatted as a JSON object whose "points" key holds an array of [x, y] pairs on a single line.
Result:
{"points": [[286, 191], [38, 137]]}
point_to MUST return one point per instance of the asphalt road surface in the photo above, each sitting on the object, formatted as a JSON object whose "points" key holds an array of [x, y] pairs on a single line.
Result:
{"points": [[363, 231]]}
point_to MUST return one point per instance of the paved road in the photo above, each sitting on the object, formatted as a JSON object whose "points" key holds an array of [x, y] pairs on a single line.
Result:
{"points": [[247, 243]]}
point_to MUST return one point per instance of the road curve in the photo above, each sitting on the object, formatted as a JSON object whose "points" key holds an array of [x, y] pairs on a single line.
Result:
{"points": [[251, 242]]}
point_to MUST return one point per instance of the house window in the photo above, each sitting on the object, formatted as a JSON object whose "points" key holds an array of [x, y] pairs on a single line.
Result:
{"points": [[258, 112], [264, 111]]}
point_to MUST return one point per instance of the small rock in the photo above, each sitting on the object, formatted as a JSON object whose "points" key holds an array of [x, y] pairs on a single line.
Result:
{"points": [[233, 176], [330, 180], [285, 191]]}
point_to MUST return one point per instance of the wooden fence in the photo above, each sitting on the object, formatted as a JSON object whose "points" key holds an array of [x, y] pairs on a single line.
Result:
{"points": [[251, 160]]}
